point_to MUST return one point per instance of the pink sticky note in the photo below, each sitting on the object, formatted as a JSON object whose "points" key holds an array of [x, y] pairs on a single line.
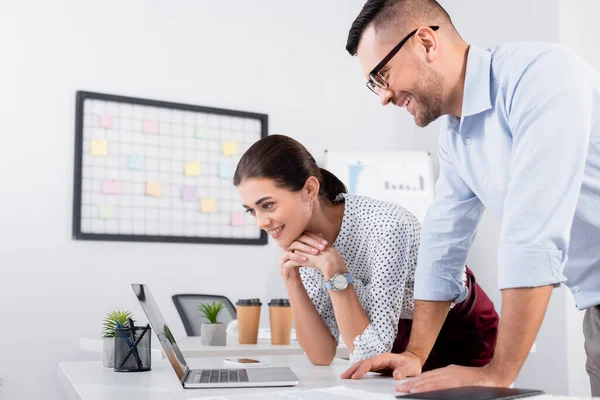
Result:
{"points": [[106, 121], [111, 187], [188, 193], [237, 218], [150, 127]]}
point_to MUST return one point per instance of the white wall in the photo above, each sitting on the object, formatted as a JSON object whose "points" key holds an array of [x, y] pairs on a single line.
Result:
{"points": [[286, 59], [283, 58]]}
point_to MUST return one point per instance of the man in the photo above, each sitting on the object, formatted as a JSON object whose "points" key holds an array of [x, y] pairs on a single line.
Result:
{"points": [[521, 136]]}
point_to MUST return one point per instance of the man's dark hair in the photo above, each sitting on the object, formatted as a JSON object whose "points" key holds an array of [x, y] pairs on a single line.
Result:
{"points": [[385, 14]]}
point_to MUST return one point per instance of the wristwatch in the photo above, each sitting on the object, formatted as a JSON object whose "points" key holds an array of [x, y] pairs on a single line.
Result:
{"points": [[339, 282]]}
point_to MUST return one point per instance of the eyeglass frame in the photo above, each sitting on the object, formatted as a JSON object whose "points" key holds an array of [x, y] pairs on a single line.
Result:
{"points": [[372, 82]]}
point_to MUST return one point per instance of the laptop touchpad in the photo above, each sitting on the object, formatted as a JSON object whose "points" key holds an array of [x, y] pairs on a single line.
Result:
{"points": [[272, 374]]}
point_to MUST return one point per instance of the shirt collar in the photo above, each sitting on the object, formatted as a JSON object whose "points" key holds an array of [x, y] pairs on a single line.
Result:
{"points": [[476, 94]]}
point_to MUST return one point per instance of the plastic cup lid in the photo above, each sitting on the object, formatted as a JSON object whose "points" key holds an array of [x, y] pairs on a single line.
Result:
{"points": [[248, 302], [280, 302]]}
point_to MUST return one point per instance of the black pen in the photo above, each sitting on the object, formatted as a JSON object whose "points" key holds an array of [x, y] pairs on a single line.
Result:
{"points": [[132, 334]]}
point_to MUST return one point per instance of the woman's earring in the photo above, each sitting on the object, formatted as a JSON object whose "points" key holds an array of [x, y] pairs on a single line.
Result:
{"points": [[312, 203], [310, 208]]}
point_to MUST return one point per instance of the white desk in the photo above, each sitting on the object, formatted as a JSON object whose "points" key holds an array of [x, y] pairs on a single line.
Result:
{"points": [[191, 347], [90, 381]]}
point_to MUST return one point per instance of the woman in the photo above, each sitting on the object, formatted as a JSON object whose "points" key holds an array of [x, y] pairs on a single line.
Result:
{"points": [[348, 262]]}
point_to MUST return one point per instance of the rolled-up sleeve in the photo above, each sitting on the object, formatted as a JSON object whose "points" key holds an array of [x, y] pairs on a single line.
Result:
{"points": [[551, 118], [448, 232]]}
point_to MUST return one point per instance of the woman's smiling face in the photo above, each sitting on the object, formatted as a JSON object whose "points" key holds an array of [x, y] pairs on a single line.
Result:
{"points": [[282, 213]]}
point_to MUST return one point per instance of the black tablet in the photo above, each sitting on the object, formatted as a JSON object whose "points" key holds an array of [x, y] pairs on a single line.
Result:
{"points": [[473, 393]]}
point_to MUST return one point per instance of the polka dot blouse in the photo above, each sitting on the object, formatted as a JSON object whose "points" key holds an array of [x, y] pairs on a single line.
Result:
{"points": [[379, 243]]}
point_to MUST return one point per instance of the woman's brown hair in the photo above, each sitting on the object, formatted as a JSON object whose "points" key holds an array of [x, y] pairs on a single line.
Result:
{"points": [[288, 163]]}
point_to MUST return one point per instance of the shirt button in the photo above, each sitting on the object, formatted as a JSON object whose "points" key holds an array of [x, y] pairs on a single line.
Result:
{"points": [[468, 141], [576, 289]]}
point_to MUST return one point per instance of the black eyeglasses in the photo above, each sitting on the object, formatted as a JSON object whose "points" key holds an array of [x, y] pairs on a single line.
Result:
{"points": [[376, 80]]}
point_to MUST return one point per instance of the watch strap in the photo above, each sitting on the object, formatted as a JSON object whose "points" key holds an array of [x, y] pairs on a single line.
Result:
{"points": [[349, 279]]}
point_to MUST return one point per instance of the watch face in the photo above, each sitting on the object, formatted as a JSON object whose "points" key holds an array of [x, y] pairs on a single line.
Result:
{"points": [[340, 282]]}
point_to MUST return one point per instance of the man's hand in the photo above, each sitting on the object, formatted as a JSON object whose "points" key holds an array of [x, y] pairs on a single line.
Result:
{"points": [[403, 365], [451, 377]]}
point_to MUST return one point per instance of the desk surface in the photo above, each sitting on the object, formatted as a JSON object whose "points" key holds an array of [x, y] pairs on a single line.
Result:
{"points": [[91, 381], [192, 347]]}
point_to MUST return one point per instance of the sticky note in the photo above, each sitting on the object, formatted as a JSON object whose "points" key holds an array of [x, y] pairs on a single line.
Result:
{"points": [[208, 206], [106, 211], [192, 168], [237, 218], [150, 127], [111, 187], [226, 171], [106, 121], [230, 148], [188, 193], [201, 132], [153, 189], [136, 161], [99, 147]]}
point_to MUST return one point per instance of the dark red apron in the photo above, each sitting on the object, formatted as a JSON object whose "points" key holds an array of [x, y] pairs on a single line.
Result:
{"points": [[468, 336]]}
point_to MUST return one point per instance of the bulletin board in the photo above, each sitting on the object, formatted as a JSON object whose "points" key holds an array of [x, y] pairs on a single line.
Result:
{"points": [[155, 171]]}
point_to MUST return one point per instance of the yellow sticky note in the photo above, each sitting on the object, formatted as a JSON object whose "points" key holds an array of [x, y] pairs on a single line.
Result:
{"points": [[192, 168], [230, 148], [99, 147], [106, 211], [208, 205], [153, 189]]}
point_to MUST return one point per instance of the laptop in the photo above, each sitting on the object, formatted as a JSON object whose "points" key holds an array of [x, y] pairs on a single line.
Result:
{"points": [[207, 378]]}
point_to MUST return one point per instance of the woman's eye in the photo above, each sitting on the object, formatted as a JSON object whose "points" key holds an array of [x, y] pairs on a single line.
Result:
{"points": [[267, 206], [250, 211]]}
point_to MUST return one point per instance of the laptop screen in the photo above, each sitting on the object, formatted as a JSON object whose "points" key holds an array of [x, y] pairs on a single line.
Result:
{"points": [[160, 327]]}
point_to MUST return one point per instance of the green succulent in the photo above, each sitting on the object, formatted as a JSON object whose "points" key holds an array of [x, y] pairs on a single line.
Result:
{"points": [[211, 311], [109, 324]]}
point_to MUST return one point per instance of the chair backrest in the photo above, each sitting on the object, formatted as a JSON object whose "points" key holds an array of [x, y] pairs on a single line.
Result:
{"points": [[187, 307]]}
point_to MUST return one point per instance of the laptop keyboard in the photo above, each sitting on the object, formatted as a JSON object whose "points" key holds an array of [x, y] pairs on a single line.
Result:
{"points": [[220, 376]]}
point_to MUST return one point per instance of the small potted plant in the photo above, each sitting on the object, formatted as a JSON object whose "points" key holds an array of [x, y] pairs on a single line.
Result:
{"points": [[212, 333], [108, 334]]}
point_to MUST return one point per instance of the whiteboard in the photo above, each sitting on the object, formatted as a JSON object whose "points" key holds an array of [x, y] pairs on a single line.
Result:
{"points": [[404, 177], [148, 170]]}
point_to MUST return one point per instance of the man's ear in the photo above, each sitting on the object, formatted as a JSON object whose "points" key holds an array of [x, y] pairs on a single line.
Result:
{"points": [[428, 42]]}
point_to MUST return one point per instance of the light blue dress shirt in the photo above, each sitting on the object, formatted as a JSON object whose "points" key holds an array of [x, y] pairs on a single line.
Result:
{"points": [[527, 147]]}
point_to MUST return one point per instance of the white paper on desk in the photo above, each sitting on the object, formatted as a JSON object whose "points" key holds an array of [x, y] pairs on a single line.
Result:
{"points": [[337, 392]]}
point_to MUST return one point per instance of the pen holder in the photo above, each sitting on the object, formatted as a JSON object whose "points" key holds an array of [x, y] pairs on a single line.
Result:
{"points": [[132, 349]]}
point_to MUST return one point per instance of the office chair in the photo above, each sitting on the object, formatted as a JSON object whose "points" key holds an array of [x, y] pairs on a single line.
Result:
{"points": [[187, 307]]}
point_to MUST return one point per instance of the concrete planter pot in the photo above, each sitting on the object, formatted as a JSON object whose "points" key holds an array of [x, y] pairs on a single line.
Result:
{"points": [[108, 352], [213, 334]]}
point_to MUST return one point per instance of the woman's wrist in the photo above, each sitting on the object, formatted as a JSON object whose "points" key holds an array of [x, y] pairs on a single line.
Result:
{"points": [[329, 270], [293, 286]]}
